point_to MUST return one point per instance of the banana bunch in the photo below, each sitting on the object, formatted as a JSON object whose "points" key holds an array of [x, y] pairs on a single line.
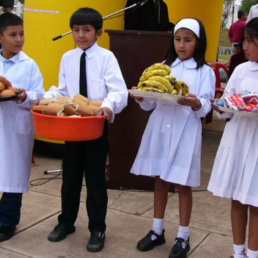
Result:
{"points": [[157, 78]]}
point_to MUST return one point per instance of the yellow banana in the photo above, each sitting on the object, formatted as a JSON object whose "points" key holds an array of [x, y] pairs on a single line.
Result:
{"points": [[174, 92], [179, 85], [155, 85], [159, 72], [151, 89], [172, 79], [164, 81], [158, 66]]}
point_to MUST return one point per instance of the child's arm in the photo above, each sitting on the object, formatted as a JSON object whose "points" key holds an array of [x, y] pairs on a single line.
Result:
{"points": [[35, 89], [146, 105], [190, 100], [200, 102], [117, 94]]}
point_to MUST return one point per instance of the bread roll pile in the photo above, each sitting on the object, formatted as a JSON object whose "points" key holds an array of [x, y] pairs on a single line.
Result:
{"points": [[6, 89], [65, 106]]}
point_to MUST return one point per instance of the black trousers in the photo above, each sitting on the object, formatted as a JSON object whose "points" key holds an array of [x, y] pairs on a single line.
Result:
{"points": [[10, 209], [85, 158]]}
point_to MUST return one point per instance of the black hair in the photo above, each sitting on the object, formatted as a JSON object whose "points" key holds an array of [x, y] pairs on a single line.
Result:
{"points": [[85, 16], [9, 19], [7, 3], [240, 13], [251, 29], [199, 53]]}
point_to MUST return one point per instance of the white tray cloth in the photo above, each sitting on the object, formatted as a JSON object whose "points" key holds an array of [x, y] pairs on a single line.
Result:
{"points": [[243, 113], [163, 98]]}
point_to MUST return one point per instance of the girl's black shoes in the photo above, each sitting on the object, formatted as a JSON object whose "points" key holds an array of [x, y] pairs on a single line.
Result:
{"points": [[146, 243], [180, 248]]}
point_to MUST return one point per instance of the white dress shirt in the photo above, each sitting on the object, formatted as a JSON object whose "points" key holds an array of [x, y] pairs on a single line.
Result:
{"points": [[104, 78]]}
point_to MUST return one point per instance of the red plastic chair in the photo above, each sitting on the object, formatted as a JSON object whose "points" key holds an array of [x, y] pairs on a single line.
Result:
{"points": [[216, 66]]}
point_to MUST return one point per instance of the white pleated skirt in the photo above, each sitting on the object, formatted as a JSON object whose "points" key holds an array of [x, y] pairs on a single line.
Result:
{"points": [[235, 171]]}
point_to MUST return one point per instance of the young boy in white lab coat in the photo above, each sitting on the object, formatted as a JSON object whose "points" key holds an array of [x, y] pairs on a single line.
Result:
{"points": [[16, 129]]}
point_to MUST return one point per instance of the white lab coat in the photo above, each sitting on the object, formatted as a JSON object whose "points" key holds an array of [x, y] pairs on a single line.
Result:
{"points": [[104, 78], [171, 143], [235, 170], [16, 127]]}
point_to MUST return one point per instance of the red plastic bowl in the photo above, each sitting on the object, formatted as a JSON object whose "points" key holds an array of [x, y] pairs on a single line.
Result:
{"points": [[68, 128]]}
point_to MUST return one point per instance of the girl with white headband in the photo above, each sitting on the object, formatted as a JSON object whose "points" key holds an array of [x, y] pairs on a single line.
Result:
{"points": [[235, 170], [170, 149]]}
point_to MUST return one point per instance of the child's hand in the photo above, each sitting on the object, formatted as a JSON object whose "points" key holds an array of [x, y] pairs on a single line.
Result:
{"points": [[136, 98], [190, 100], [106, 112], [21, 96], [216, 108], [37, 101]]}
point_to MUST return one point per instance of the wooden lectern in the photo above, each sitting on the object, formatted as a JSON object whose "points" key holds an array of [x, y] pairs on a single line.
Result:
{"points": [[135, 50]]}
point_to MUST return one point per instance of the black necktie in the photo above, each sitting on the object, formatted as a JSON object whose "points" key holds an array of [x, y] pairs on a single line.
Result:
{"points": [[157, 10], [157, 4], [83, 79]]}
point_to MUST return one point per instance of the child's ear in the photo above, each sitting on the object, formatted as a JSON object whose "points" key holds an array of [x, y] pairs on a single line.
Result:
{"points": [[99, 33]]}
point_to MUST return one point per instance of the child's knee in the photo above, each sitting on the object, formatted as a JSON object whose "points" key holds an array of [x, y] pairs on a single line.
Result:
{"points": [[184, 190]]}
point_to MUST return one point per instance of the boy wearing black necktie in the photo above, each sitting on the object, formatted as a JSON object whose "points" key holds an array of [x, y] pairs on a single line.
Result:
{"points": [[94, 72]]}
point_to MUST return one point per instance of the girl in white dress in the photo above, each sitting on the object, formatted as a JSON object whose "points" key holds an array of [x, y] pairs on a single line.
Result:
{"points": [[235, 171], [170, 149]]}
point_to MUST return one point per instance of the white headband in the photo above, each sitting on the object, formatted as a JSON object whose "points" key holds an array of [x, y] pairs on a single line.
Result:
{"points": [[190, 24]]}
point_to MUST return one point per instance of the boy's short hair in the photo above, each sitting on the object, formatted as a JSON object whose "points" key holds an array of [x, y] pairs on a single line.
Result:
{"points": [[9, 19], [240, 13], [85, 16]]}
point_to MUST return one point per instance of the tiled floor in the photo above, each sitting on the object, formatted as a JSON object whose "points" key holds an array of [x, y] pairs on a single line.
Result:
{"points": [[129, 217]]}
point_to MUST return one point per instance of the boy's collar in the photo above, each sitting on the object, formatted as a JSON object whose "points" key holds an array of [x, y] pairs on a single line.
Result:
{"points": [[89, 51], [15, 58]]}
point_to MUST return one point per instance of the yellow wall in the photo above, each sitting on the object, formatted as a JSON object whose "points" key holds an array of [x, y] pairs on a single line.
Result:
{"points": [[46, 19], [41, 26], [209, 12]]}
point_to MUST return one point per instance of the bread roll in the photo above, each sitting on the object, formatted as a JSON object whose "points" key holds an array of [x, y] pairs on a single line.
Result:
{"points": [[7, 93], [96, 103], [38, 108], [5, 82], [53, 109], [47, 101], [63, 100], [88, 110], [70, 110], [13, 89], [2, 86], [79, 97]]}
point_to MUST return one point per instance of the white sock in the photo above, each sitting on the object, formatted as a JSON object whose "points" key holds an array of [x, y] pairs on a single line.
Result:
{"points": [[252, 254], [157, 227], [183, 232], [239, 250]]}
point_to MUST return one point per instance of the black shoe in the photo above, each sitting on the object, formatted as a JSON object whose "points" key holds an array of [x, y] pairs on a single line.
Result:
{"points": [[96, 242], [60, 232], [180, 248], [146, 243], [6, 233]]}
